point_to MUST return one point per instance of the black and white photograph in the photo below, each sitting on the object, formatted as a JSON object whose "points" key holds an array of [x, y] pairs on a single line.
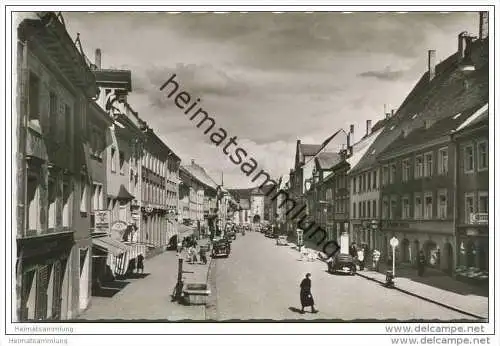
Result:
{"points": [[250, 170]]}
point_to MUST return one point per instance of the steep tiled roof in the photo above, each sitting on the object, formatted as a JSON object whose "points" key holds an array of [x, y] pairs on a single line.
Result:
{"points": [[326, 160], [450, 92], [309, 149], [422, 134], [480, 115], [201, 175], [360, 148]]}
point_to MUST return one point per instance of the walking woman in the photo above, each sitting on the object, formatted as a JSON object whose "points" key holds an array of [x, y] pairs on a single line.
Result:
{"points": [[306, 298]]}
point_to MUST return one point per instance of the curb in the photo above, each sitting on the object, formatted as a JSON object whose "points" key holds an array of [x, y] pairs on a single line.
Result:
{"points": [[211, 306], [424, 298]]}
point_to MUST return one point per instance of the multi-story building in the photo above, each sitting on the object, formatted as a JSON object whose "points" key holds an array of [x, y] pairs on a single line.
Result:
{"points": [[55, 88], [472, 200], [364, 193], [159, 192]]}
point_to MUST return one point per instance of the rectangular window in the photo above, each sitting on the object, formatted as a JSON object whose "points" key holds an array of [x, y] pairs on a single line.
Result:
{"points": [[364, 182], [360, 210], [392, 178], [385, 175], [68, 136], [385, 208], [443, 161], [97, 197], [52, 203], [469, 158], [374, 205], [482, 155], [34, 97], [354, 210], [53, 115], [443, 204], [392, 211], [113, 160], [374, 179], [428, 203], [483, 202], [406, 207], [418, 167], [417, 213], [364, 210], [122, 162], [83, 195], [33, 199], [368, 208], [369, 182], [469, 206], [66, 203], [406, 170], [360, 187], [428, 165], [354, 185]]}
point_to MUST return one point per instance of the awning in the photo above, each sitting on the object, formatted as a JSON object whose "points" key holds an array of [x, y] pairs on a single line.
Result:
{"points": [[123, 194], [110, 245]]}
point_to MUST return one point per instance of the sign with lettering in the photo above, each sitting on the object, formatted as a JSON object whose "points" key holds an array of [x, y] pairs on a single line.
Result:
{"points": [[102, 219]]}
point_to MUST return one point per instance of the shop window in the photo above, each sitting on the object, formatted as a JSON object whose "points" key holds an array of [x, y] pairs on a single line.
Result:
{"points": [[482, 155], [428, 205], [469, 158], [443, 161]]}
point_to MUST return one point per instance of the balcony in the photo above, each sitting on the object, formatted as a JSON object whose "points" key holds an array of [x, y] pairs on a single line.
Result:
{"points": [[479, 218]]}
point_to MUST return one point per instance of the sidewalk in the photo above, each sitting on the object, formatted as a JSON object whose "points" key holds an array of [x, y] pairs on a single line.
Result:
{"points": [[149, 296], [434, 286]]}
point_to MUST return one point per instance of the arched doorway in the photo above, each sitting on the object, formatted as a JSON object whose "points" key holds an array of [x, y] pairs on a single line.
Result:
{"points": [[448, 258], [431, 252], [256, 219], [416, 251], [405, 251]]}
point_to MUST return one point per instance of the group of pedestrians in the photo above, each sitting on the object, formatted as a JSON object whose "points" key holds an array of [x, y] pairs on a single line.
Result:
{"points": [[190, 250], [360, 254]]}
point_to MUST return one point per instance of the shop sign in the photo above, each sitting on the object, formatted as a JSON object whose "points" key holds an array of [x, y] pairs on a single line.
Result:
{"points": [[102, 219]]}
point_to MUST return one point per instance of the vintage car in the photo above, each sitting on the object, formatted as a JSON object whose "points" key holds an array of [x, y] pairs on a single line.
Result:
{"points": [[343, 263], [231, 235], [221, 247], [281, 240], [271, 232]]}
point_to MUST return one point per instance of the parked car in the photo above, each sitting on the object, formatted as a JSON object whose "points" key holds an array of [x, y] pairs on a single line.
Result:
{"points": [[221, 247], [342, 263]]}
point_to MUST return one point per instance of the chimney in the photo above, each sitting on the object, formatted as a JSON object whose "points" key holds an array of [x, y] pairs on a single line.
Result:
{"points": [[432, 64], [392, 112], [98, 58], [483, 25], [368, 127], [351, 132], [461, 44], [192, 162]]}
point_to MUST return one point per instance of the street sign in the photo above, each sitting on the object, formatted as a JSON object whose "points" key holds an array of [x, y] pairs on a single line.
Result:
{"points": [[394, 242], [101, 219]]}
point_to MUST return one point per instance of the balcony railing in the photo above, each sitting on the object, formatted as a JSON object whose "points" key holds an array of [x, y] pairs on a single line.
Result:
{"points": [[479, 218]]}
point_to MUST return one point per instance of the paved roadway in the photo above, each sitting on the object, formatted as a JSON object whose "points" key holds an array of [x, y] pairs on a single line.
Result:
{"points": [[260, 280]]}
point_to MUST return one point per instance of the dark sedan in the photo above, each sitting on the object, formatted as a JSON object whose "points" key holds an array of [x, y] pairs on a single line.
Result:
{"points": [[343, 263]]}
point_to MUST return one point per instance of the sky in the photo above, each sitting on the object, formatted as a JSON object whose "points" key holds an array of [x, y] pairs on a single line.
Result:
{"points": [[268, 79]]}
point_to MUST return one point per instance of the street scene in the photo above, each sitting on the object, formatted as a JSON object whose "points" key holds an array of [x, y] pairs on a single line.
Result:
{"points": [[252, 167]]}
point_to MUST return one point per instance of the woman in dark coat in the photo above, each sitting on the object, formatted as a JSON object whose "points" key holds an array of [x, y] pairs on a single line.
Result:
{"points": [[306, 298]]}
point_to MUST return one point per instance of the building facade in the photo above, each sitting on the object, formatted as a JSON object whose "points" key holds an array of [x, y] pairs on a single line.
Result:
{"points": [[53, 225]]}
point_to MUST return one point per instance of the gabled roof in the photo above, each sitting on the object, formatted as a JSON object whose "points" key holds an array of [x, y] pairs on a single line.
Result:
{"points": [[326, 160], [199, 173], [440, 128], [309, 149], [360, 148], [442, 97]]}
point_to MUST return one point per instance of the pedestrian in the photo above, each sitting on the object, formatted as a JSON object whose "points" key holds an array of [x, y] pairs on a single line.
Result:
{"points": [[376, 259], [306, 298], [352, 250], [203, 255], [421, 263], [361, 258], [140, 263]]}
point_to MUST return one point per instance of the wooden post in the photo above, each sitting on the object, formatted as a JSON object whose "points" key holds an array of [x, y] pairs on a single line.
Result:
{"points": [[178, 291]]}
